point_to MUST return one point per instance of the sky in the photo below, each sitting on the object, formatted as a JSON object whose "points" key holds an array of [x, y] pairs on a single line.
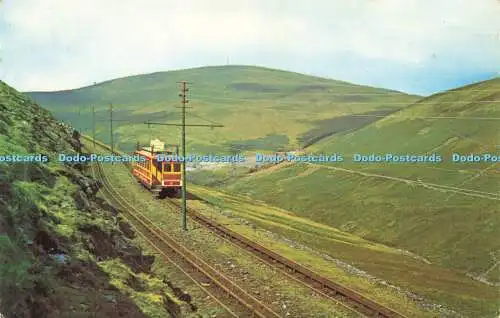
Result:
{"points": [[416, 46]]}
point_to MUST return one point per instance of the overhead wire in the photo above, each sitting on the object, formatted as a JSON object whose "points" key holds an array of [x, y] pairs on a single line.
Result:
{"points": [[326, 87], [418, 102], [481, 171], [349, 102], [343, 103]]}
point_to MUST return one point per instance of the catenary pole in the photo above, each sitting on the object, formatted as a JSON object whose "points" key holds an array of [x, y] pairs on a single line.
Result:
{"points": [[183, 94], [184, 101]]}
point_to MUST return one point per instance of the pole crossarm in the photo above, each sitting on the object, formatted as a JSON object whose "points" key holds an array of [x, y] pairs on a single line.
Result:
{"points": [[184, 101], [180, 125]]}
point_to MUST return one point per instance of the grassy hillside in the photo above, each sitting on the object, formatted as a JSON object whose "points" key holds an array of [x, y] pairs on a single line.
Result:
{"points": [[64, 253], [350, 260], [406, 204], [260, 108]]}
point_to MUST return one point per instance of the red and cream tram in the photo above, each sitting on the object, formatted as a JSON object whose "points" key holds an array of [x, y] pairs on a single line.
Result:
{"points": [[160, 177]]}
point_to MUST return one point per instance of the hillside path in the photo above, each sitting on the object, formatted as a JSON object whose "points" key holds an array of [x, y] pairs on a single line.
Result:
{"points": [[432, 186]]}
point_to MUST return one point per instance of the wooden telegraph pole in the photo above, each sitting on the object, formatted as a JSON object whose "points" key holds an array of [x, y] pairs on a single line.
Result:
{"points": [[183, 93], [184, 101], [111, 128], [79, 117], [110, 121], [93, 125]]}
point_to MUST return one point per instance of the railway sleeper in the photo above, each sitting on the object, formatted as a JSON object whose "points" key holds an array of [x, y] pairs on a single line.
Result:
{"points": [[156, 192]]}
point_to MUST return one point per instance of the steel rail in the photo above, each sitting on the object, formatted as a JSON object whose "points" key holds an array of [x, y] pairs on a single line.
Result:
{"points": [[322, 285], [255, 307], [165, 256], [316, 282]]}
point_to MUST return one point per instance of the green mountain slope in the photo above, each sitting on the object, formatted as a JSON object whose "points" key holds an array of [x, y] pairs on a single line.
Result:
{"points": [[447, 212], [260, 108], [63, 251]]}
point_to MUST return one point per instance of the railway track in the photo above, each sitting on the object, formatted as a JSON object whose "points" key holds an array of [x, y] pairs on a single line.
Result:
{"points": [[344, 296], [211, 281]]}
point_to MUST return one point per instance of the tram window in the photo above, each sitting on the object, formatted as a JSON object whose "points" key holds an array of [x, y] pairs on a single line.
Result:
{"points": [[168, 167], [177, 167], [158, 165]]}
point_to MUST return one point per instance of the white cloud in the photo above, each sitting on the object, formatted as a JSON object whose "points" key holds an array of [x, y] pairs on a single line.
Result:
{"points": [[72, 43]]}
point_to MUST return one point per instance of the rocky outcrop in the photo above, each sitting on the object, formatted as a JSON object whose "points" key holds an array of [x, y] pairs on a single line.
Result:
{"points": [[53, 229]]}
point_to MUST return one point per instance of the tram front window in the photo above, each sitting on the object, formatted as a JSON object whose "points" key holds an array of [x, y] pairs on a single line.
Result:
{"points": [[168, 167], [177, 167]]}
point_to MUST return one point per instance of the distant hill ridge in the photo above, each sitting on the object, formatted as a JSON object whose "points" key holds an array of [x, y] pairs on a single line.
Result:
{"points": [[409, 211], [260, 108], [216, 68]]}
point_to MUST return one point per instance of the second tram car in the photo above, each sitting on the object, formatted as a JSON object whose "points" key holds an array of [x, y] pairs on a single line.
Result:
{"points": [[162, 178]]}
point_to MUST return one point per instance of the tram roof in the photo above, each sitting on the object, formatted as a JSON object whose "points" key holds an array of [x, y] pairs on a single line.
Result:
{"points": [[154, 155]]}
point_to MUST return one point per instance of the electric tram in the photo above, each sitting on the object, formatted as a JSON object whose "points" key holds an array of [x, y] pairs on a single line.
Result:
{"points": [[161, 177]]}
